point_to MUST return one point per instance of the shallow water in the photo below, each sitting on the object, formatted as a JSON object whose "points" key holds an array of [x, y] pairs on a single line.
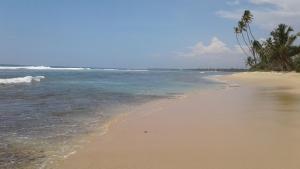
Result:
{"points": [[41, 118]]}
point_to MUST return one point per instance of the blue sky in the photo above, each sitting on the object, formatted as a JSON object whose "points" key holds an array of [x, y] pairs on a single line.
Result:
{"points": [[131, 33]]}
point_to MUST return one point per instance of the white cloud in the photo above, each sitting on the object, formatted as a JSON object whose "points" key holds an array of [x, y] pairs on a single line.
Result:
{"points": [[269, 13], [216, 47], [282, 4], [215, 54]]}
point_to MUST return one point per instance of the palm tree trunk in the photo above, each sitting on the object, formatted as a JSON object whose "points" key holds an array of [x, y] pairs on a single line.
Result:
{"points": [[250, 32], [238, 41], [246, 42], [251, 47]]}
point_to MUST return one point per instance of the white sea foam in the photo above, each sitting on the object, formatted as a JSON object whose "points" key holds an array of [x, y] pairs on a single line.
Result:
{"points": [[109, 69], [71, 153], [40, 68], [216, 78], [126, 70], [26, 79]]}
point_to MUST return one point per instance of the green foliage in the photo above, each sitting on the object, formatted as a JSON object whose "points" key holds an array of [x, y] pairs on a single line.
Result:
{"points": [[297, 63], [276, 53]]}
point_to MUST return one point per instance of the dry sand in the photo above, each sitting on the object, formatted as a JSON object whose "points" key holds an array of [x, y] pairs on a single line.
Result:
{"points": [[254, 126]]}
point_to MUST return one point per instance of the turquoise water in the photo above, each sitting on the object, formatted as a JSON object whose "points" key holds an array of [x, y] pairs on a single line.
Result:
{"points": [[43, 109]]}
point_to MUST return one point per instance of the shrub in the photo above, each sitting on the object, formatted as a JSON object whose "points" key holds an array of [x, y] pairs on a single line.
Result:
{"points": [[297, 63]]}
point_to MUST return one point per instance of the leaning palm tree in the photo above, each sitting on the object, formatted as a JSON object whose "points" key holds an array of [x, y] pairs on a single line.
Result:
{"points": [[244, 30], [237, 32], [247, 18]]}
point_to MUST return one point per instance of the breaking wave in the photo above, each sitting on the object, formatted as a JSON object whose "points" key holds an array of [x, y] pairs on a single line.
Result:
{"points": [[26, 79], [125, 70]]}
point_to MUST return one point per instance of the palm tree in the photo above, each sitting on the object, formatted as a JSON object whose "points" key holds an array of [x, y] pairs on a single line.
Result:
{"points": [[247, 18], [282, 44], [257, 47], [243, 29], [237, 31]]}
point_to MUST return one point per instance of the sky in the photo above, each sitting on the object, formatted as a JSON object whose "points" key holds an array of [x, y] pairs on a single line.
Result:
{"points": [[133, 33]]}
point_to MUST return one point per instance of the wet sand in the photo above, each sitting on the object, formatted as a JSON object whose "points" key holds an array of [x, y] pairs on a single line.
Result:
{"points": [[252, 125]]}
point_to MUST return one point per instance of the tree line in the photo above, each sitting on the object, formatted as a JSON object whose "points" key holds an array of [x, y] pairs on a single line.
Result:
{"points": [[278, 52]]}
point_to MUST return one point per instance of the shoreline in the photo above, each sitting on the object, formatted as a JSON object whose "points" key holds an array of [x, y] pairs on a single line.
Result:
{"points": [[121, 114], [112, 122], [192, 132]]}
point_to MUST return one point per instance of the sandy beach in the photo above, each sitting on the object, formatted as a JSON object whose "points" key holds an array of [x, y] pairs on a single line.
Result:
{"points": [[254, 123]]}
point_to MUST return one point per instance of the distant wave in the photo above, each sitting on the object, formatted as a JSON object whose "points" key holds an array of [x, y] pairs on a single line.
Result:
{"points": [[40, 68], [26, 79], [67, 68], [126, 70]]}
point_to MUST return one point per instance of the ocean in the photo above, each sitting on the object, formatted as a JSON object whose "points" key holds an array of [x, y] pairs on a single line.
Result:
{"points": [[45, 110]]}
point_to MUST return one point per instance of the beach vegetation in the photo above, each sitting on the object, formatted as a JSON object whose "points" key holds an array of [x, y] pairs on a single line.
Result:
{"points": [[278, 52], [297, 63]]}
